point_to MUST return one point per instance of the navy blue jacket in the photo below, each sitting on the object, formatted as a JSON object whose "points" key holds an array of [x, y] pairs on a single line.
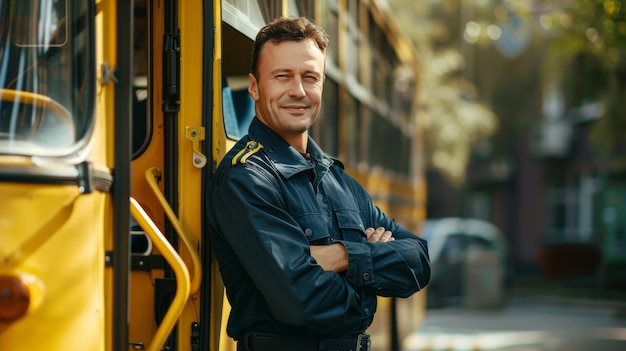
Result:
{"points": [[267, 205]]}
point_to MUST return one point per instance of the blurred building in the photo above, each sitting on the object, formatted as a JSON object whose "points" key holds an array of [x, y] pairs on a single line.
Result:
{"points": [[553, 176]]}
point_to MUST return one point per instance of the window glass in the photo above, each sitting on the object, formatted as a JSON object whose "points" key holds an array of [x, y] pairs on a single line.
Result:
{"points": [[403, 162], [352, 50], [376, 150], [141, 129], [330, 22], [247, 16], [304, 8], [46, 76], [326, 130], [563, 214], [271, 9], [351, 128], [569, 198], [480, 242], [391, 148], [453, 250]]}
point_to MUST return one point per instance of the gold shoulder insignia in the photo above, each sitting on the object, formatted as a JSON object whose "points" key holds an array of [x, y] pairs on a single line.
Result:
{"points": [[251, 148]]}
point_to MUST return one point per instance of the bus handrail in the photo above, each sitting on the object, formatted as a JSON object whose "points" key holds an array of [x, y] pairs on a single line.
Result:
{"points": [[180, 271], [36, 99], [39, 100], [151, 176]]}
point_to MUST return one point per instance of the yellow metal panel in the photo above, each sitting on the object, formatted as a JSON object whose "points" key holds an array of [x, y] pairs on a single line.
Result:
{"points": [[190, 176], [52, 234]]}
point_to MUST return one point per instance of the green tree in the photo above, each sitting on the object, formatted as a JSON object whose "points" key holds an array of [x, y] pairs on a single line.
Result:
{"points": [[591, 35], [454, 117]]}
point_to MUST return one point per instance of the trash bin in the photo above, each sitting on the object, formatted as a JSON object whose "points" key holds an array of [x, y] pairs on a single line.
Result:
{"points": [[482, 279]]}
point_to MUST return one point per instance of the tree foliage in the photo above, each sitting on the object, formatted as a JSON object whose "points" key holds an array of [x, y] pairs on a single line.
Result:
{"points": [[596, 29], [454, 118]]}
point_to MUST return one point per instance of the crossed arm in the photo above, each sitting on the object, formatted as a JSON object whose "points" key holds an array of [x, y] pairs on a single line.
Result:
{"points": [[334, 257]]}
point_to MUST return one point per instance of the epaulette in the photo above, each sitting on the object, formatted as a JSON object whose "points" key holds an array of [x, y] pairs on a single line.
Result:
{"points": [[251, 148]]}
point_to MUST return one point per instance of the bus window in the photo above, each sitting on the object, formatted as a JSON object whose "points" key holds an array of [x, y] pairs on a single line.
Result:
{"points": [[237, 105], [302, 8], [327, 131], [141, 122], [46, 78], [45, 26]]}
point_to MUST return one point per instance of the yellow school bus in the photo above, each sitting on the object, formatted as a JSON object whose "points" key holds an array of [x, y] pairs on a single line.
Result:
{"points": [[114, 115]]}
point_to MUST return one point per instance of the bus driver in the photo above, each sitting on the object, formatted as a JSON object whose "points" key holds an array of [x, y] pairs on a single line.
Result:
{"points": [[301, 247]]}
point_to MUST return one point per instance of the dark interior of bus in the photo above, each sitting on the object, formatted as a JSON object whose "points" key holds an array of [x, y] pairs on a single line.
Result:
{"points": [[237, 105]]}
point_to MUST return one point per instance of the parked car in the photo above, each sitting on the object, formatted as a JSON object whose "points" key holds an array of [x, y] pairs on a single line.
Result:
{"points": [[468, 262]]}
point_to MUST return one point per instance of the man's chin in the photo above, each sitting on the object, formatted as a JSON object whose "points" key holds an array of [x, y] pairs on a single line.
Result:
{"points": [[298, 130], [301, 126]]}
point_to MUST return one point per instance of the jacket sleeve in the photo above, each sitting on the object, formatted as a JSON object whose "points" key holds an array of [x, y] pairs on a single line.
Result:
{"points": [[268, 242], [395, 268]]}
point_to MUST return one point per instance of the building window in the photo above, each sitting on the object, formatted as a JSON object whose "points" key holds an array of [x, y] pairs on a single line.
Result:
{"points": [[570, 212]]}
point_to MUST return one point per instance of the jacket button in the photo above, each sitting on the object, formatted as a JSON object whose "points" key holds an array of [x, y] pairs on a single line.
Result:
{"points": [[308, 232], [366, 276]]}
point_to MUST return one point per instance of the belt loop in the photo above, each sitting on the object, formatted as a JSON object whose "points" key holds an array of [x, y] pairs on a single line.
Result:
{"points": [[245, 341], [361, 341]]}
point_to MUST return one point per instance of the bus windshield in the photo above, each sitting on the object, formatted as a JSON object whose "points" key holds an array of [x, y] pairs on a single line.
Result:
{"points": [[46, 76]]}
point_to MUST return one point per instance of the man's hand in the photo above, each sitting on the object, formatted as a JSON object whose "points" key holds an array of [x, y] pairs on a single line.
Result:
{"points": [[378, 235], [332, 257]]}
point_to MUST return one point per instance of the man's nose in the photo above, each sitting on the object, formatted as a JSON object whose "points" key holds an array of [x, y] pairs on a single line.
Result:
{"points": [[297, 88]]}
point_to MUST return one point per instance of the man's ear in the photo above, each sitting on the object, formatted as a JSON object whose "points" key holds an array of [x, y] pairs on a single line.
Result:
{"points": [[253, 87]]}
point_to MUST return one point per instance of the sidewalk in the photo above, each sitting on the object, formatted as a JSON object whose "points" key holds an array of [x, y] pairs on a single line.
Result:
{"points": [[529, 320]]}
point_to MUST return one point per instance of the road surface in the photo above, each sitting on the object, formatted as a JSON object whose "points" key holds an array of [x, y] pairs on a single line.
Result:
{"points": [[524, 324]]}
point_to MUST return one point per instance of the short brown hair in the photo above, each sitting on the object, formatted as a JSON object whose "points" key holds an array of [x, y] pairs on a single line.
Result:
{"points": [[287, 28]]}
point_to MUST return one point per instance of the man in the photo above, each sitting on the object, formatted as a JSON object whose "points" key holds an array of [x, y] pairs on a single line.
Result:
{"points": [[294, 236]]}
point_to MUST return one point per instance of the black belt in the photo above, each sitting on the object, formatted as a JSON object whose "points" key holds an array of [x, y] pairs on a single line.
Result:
{"points": [[274, 342]]}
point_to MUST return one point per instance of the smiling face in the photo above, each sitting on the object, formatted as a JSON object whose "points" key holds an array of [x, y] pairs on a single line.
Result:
{"points": [[288, 88]]}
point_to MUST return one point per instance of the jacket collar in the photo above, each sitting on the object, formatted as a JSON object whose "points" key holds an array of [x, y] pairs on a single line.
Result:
{"points": [[287, 160]]}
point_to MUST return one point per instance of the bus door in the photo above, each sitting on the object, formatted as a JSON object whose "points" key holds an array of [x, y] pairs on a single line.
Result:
{"points": [[55, 180], [167, 167]]}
